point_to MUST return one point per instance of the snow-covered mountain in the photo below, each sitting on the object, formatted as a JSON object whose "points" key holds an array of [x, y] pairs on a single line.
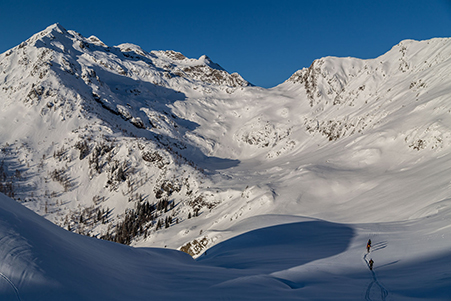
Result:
{"points": [[154, 149], [88, 132]]}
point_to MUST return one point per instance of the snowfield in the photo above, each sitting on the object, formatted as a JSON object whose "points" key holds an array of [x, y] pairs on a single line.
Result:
{"points": [[273, 192]]}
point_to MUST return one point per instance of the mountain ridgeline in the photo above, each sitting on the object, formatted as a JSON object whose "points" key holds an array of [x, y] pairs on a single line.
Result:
{"points": [[153, 148]]}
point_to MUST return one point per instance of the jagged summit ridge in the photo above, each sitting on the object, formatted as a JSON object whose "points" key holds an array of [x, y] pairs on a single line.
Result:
{"points": [[170, 64]]}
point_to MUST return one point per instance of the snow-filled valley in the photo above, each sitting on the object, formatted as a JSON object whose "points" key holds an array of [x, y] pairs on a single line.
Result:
{"points": [[273, 192]]}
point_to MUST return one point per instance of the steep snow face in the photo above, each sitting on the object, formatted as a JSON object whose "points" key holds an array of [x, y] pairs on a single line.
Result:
{"points": [[156, 149]]}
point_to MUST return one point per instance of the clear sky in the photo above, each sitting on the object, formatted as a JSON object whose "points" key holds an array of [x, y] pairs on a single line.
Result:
{"points": [[264, 41]]}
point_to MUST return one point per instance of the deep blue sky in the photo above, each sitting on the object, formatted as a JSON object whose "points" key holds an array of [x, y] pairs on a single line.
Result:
{"points": [[264, 41]]}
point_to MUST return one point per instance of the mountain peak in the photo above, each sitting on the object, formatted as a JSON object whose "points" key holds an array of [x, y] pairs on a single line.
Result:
{"points": [[95, 40], [56, 27], [129, 47], [204, 59]]}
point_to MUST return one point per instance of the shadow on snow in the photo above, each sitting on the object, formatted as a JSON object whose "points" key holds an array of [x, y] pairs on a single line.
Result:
{"points": [[280, 247]]}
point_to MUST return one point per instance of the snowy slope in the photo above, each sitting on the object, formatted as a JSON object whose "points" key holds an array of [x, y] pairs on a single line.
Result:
{"points": [[154, 149], [305, 259]]}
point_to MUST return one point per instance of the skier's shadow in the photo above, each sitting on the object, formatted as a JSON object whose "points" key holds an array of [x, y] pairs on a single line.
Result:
{"points": [[379, 246]]}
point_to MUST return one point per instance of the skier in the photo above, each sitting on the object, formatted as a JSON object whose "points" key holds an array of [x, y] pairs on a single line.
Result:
{"points": [[370, 263], [368, 246]]}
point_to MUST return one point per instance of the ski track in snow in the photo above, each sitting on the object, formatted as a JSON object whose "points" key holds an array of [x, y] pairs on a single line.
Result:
{"points": [[12, 285], [383, 291]]}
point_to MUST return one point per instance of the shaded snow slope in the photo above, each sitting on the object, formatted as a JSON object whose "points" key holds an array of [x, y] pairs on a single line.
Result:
{"points": [[305, 259]]}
